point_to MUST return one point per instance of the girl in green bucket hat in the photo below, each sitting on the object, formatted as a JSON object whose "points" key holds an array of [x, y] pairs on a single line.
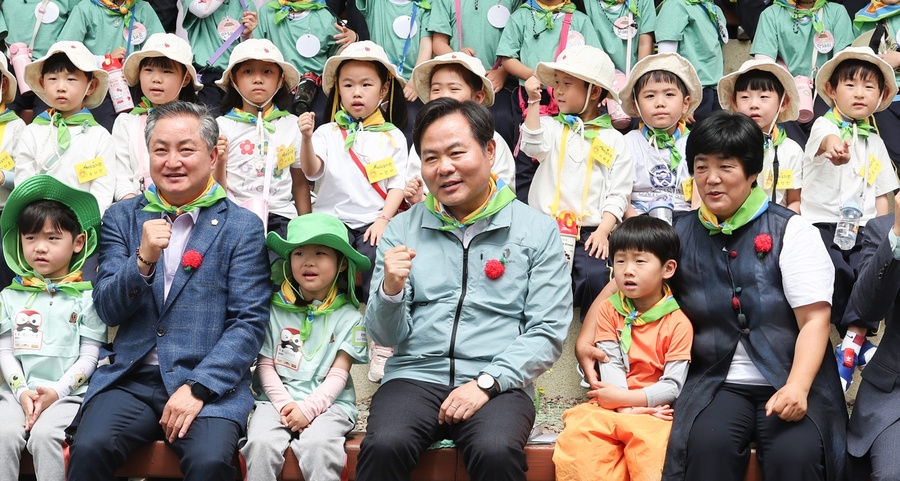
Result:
{"points": [[304, 395], [50, 334]]}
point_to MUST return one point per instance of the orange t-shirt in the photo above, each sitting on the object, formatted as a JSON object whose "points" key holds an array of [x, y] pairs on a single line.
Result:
{"points": [[652, 345]]}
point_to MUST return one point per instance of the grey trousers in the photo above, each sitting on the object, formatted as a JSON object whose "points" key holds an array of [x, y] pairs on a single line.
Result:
{"points": [[319, 447], [883, 454], [44, 441]]}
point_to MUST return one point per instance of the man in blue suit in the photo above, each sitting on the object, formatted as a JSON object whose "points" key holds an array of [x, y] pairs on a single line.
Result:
{"points": [[184, 276]]}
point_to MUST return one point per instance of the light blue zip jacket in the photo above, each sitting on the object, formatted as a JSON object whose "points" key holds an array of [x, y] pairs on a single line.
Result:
{"points": [[453, 321]]}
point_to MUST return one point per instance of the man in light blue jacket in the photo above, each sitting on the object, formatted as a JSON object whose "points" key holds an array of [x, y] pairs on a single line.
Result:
{"points": [[471, 288]]}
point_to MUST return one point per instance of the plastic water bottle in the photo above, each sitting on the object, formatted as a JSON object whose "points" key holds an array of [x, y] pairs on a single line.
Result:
{"points": [[848, 226], [662, 208]]}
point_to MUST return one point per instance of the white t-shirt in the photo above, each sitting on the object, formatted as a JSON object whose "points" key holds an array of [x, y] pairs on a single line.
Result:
{"points": [[652, 174], [827, 186], [39, 153], [807, 276], [504, 163], [343, 189], [245, 171], [790, 170], [609, 186], [12, 134], [132, 159]]}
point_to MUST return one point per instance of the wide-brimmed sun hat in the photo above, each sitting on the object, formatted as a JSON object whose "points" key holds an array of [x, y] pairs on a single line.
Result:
{"points": [[858, 53], [792, 105], [669, 62], [166, 45], [583, 62], [83, 60], [365, 51], [10, 94], [421, 75], [259, 49]]}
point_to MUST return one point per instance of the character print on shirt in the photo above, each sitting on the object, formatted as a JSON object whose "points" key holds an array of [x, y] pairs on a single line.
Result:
{"points": [[662, 179], [28, 333], [15, 382], [78, 380], [288, 352]]}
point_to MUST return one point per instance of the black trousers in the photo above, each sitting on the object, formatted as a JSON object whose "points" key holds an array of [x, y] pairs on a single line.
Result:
{"points": [[367, 249], [589, 274], [846, 270], [719, 443], [117, 421], [403, 422]]}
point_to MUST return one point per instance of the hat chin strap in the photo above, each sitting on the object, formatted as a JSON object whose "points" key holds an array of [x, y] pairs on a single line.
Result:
{"points": [[258, 107], [637, 105], [587, 99], [775, 119]]}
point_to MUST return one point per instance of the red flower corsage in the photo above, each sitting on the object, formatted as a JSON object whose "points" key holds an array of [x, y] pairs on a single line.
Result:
{"points": [[495, 268], [191, 260], [763, 244]]}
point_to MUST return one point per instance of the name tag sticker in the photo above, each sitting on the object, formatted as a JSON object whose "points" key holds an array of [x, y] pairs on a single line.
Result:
{"points": [[90, 170], [688, 188], [602, 153], [380, 170], [286, 157], [875, 167], [785, 179], [360, 339], [6, 161]]}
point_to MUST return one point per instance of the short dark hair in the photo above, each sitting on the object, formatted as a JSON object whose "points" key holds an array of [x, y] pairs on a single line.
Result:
{"points": [[856, 69], [469, 77], [645, 234], [186, 93], [32, 218], [731, 135], [662, 76], [760, 80], [59, 62], [479, 117]]}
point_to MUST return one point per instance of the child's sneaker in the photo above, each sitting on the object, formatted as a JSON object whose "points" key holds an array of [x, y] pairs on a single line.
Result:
{"points": [[846, 364], [378, 356], [866, 353]]}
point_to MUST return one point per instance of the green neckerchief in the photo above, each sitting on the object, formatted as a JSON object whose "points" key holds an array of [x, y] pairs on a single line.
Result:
{"points": [[663, 139], [778, 134], [755, 204], [547, 15], [625, 307], [39, 284], [310, 310], [710, 8], [212, 194], [577, 125], [501, 195], [145, 107], [798, 13], [8, 116], [373, 123], [629, 4], [863, 127], [63, 137], [275, 113], [125, 10], [285, 8]]}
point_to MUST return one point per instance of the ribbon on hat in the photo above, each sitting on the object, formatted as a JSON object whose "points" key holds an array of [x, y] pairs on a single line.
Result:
{"points": [[373, 123], [70, 284], [625, 307], [589, 129], [273, 114], [500, 196], [212, 194], [51, 117], [661, 138], [863, 127], [754, 206], [285, 7], [546, 13]]}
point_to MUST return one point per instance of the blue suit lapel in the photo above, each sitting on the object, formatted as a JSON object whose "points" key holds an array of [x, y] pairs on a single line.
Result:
{"points": [[202, 237]]}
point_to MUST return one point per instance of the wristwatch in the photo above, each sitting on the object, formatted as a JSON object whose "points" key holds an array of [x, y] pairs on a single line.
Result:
{"points": [[488, 384], [200, 391]]}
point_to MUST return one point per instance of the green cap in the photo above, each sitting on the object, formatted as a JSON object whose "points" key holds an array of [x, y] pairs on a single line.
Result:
{"points": [[46, 187], [321, 229]]}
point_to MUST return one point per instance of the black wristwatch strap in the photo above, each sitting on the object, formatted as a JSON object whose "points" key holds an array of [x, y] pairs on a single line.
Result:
{"points": [[200, 391]]}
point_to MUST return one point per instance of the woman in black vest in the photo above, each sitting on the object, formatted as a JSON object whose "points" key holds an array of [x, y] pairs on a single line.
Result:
{"points": [[756, 282]]}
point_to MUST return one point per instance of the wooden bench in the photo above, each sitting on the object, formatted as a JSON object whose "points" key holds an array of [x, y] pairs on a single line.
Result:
{"points": [[157, 460]]}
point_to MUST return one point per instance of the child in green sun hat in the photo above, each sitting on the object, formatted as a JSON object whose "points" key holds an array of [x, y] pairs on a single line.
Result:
{"points": [[50, 334], [305, 397]]}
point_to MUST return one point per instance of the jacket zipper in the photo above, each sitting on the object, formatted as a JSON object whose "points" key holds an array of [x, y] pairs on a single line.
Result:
{"points": [[462, 297]]}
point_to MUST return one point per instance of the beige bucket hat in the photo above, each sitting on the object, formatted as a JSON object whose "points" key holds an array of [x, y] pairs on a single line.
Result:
{"points": [[364, 51], [584, 62], [83, 60], [792, 108], [671, 62], [166, 45], [259, 49], [10, 94], [421, 75], [857, 53]]}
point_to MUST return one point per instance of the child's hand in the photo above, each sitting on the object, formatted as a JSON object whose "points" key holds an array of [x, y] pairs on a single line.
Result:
{"points": [[345, 36], [607, 395], [414, 192], [307, 123], [293, 418], [48, 396], [468, 51], [250, 20], [892, 57], [374, 232], [836, 150], [118, 53], [30, 401], [497, 77], [410, 92], [533, 88], [222, 147], [597, 245]]}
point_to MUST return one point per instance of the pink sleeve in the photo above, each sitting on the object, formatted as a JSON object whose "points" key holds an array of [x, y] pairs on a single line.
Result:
{"points": [[324, 397], [271, 383]]}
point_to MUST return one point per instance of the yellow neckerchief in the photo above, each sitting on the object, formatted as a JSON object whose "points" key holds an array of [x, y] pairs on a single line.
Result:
{"points": [[441, 211], [554, 207]]}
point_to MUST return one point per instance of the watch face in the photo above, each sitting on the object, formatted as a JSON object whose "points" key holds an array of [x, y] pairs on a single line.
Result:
{"points": [[485, 381]]}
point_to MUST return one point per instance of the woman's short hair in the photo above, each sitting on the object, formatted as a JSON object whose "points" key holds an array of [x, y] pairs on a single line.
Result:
{"points": [[730, 135]]}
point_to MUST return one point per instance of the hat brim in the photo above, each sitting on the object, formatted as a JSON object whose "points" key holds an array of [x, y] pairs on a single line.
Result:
{"points": [[283, 248], [13, 85], [421, 78], [329, 73], [867, 55], [33, 78], [726, 92], [546, 73], [132, 67], [671, 62]]}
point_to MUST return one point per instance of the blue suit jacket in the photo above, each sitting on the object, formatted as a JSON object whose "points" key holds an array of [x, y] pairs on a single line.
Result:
{"points": [[211, 326]]}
